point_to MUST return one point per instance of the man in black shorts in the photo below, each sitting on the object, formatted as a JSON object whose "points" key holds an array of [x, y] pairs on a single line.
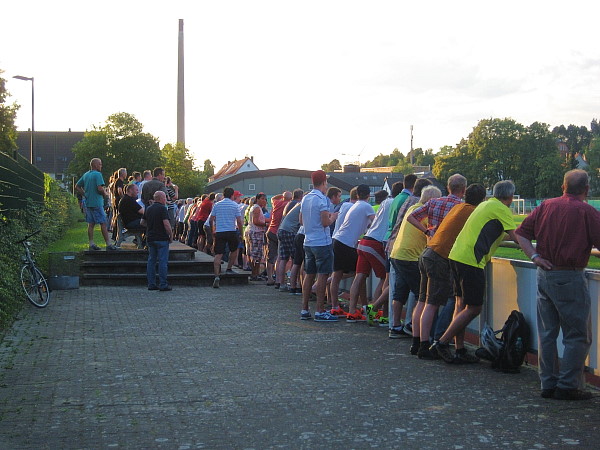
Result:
{"points": [[225, 217]]}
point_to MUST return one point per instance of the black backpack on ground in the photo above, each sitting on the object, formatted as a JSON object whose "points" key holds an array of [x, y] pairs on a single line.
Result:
{"points": [[508, 352]]}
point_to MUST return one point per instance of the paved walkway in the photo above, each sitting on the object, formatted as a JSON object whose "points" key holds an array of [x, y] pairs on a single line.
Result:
{"points": [[106, 367]]}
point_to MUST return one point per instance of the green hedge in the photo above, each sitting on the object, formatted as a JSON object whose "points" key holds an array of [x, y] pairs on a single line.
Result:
{"points": [[53, 218]]}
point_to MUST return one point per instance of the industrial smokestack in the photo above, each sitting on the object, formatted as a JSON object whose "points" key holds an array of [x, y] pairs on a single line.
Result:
{"points": [[180, 89]]}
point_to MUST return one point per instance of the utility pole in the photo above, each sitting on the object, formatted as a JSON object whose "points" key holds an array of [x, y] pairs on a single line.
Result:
{"points": [[411, 145], [180, 89]]}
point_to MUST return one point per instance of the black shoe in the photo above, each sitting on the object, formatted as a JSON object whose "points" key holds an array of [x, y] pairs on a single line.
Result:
{"points": [[414, 349], [424, 353], [464, 357], [548, 393], [153, 288], [230, 271], [442, 351], [165, 289], [571, 394], [277, 285]]}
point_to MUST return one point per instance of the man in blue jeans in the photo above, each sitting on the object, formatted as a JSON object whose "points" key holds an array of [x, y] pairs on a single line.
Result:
{"points": [[158, 235], [318, 250]]}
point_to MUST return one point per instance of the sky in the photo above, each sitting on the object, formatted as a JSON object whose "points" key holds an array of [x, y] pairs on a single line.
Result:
{"points": [[297, 84]]}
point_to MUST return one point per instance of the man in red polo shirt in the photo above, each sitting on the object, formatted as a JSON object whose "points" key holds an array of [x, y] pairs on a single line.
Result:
{"points": [[279, 203], [565, 229]]}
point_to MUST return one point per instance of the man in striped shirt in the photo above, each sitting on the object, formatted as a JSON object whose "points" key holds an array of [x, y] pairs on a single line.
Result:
{"points": [[225, 217]]}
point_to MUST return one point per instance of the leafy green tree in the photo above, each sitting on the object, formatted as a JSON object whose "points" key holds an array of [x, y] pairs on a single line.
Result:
{"points": [[332, 166], [593, 159], [502, 149], [424, 158], [404, 167], [179, 165], [8, 113], [577, 139], [209, 168], [120, 142]]}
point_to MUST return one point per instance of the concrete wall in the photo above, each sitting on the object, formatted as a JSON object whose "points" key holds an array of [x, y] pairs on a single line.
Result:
{"points": [[512, 285]]}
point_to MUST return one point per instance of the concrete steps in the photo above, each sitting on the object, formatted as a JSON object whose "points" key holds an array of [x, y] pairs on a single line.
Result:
{"points": [[127, 267]]}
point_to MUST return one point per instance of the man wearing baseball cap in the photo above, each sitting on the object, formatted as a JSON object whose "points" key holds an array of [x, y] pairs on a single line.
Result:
{"points": [[318, 251]]}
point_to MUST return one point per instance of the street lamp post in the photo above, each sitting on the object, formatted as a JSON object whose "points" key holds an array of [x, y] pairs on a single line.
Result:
{"points": [[31, 149]]}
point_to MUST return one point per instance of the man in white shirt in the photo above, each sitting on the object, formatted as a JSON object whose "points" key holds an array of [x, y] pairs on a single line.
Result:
{"points": [[356, 221]]}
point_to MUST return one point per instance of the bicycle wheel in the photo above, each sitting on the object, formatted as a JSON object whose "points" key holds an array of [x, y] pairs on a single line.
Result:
{"points": [[35, 286]]}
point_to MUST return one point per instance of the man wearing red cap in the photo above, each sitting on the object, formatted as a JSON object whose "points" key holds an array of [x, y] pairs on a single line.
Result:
{"points": [[318, 251]]}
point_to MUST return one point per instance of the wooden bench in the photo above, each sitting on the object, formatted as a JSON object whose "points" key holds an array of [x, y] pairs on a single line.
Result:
{"points": [[124, 233]]}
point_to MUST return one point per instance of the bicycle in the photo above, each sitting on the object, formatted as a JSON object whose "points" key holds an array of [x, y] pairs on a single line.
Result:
{"points": [[33, 281]]}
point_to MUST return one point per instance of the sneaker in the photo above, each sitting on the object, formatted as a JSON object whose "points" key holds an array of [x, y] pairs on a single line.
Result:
{"points": [[216, 282], [464, 357], [398, 333], [94, 247], [305, 315], [425, 353], [358, 316], [230, 271], [442, 351], [571, 394], [277, 285], [325, 317], [371, 314], [112, 248], [298, 291], [153, 288], [384, 322], [408, 328], [379, 315], [338, 312]]}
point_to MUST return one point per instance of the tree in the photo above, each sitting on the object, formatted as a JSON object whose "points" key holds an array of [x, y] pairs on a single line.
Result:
{"points": [[120, 142], [179, 165], [593, 159], [577, 139], [209, 168], [404, 167], [332, 166], [424, 158], [502, 149], [8, 113]]}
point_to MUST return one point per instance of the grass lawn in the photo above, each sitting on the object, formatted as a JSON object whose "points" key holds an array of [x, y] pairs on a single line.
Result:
{"points": [[515, 253], [75, 239]]}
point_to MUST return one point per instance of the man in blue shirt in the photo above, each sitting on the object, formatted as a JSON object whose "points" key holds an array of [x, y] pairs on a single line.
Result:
{"points": [[91, 185], [318, 251]]}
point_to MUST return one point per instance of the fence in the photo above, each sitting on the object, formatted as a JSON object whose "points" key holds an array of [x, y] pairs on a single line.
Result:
{"points": [[19, 180]]}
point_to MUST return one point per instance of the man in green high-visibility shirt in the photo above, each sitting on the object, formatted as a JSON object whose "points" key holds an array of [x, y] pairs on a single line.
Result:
{"points": [[476, 243]]}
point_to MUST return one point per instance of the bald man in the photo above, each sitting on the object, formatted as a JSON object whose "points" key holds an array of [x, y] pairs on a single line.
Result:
{"points": [[565, 229], [93, 189], [158, 235]]}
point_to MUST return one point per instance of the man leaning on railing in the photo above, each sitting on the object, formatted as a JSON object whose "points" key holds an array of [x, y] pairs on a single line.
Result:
{"points": [[565, 229]]}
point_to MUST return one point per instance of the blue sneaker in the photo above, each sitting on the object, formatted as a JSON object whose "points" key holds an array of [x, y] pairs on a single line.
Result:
{"points": [[305, 315], [325, 317]]}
